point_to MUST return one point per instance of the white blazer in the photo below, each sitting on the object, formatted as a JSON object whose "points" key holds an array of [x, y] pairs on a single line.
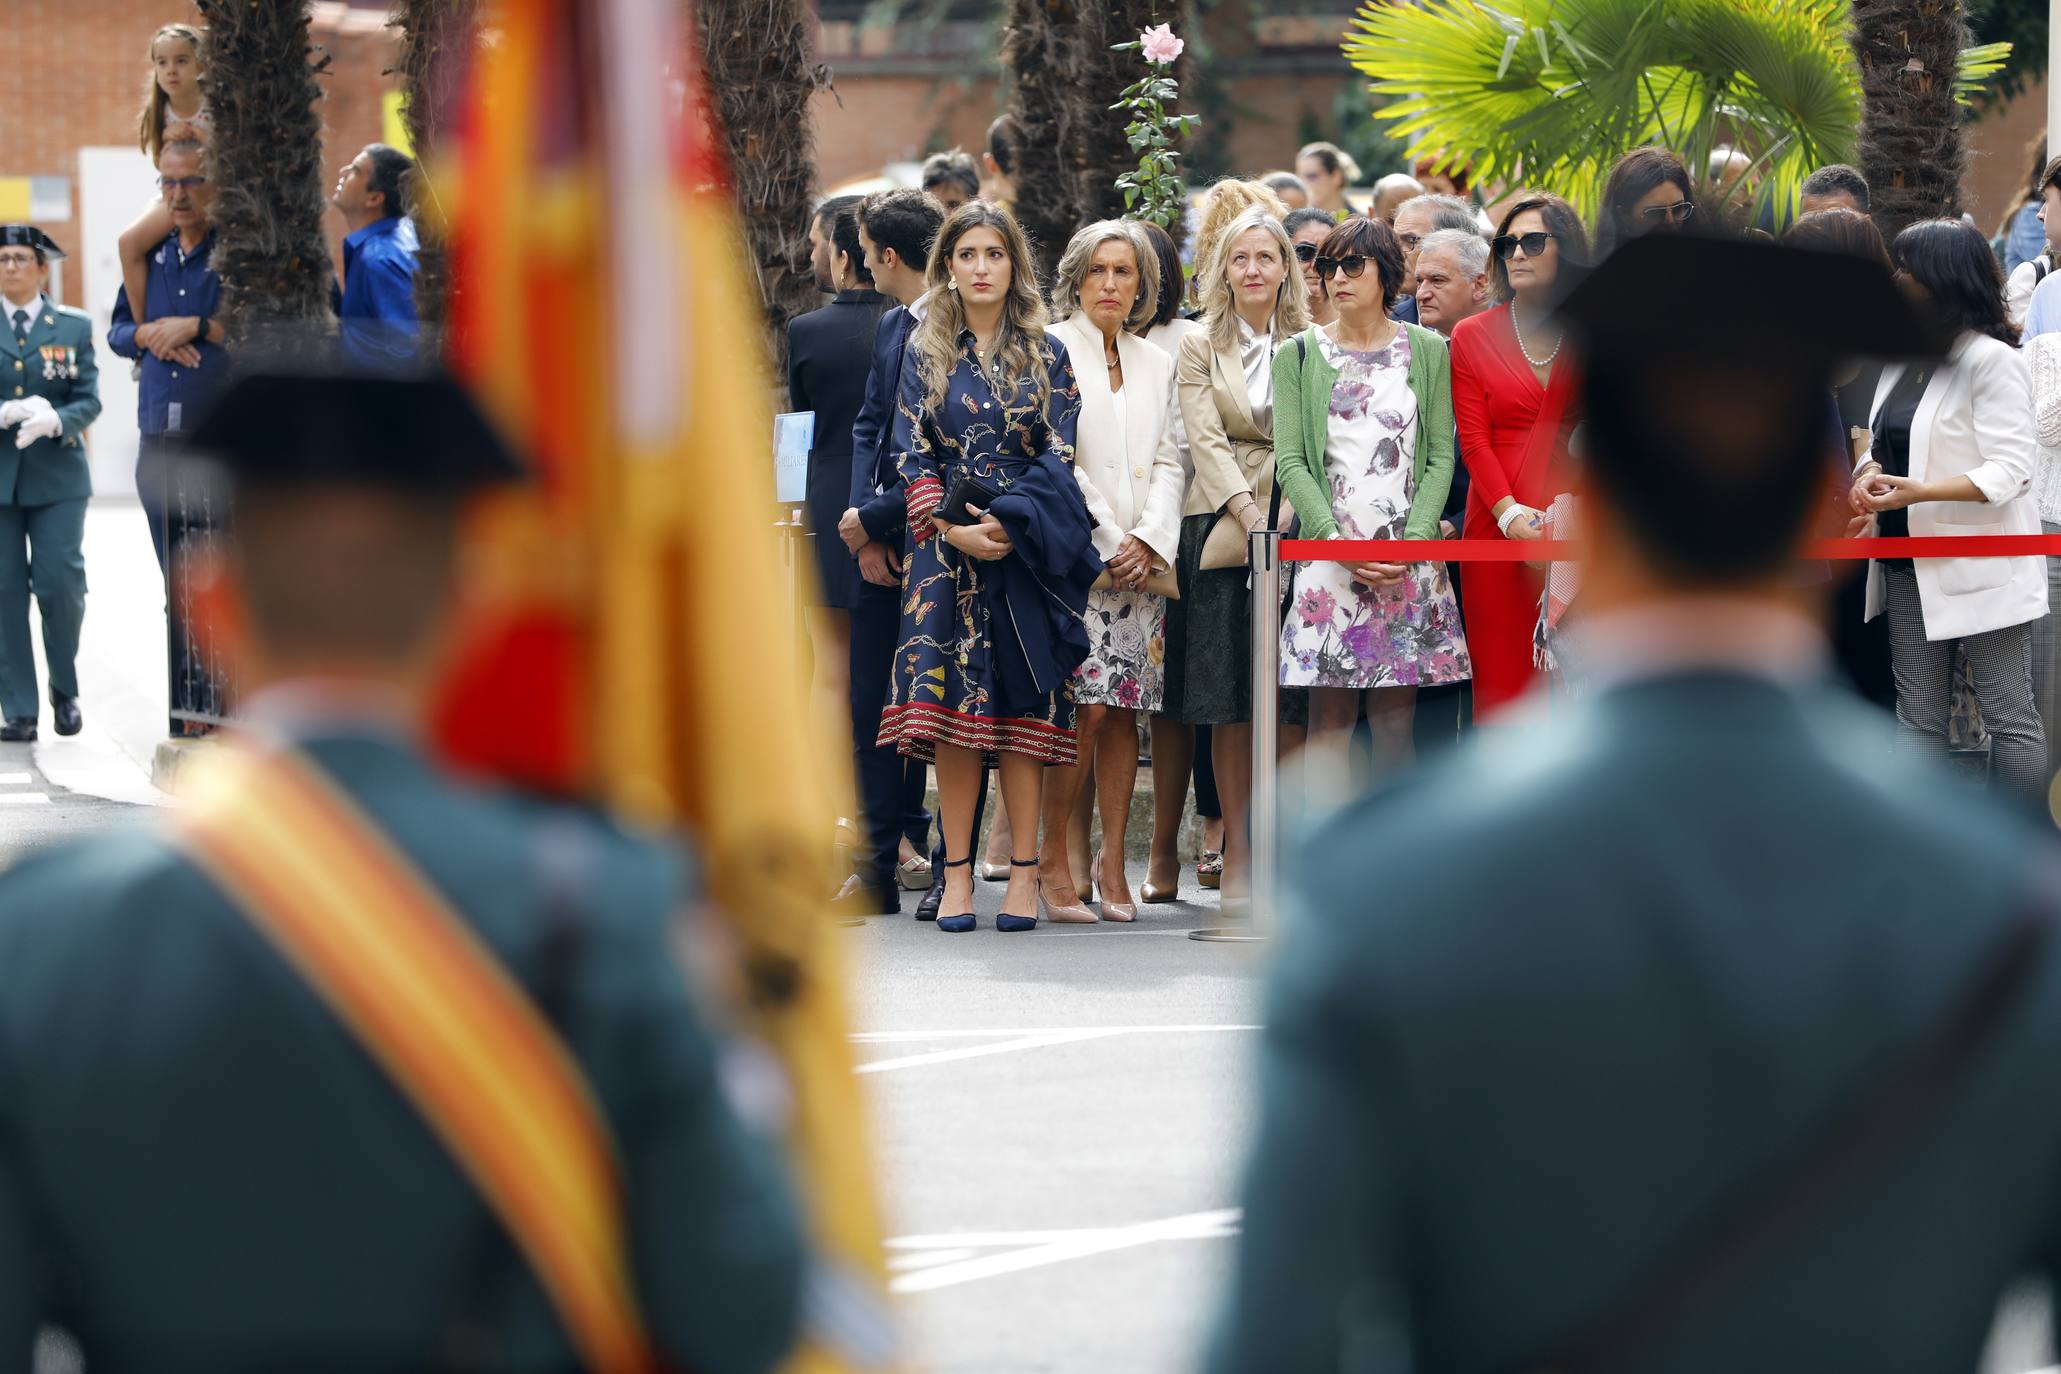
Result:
{"points": [[1975, 420], [1131, 472]]}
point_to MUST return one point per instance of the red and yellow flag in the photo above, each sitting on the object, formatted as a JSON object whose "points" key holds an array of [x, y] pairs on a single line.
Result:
{"points": [[632, 645]]}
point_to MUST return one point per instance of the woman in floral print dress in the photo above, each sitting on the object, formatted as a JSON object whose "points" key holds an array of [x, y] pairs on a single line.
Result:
{"points": [[991, 611], [1363, 445]]}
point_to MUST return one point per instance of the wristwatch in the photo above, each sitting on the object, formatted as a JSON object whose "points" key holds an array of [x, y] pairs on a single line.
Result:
{"points": [[206, 324]]}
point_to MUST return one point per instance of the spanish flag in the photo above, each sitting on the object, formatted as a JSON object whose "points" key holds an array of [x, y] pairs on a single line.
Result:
{"points": [[632, 645]]}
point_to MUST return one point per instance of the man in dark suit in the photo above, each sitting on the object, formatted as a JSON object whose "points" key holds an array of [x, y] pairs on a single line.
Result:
{"points": [[828, 356], [207, 1160], [1683, 1030], [896, 229]]}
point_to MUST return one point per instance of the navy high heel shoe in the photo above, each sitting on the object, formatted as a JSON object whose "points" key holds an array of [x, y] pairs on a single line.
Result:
{"points": [[1010, 925], [965, 921]]}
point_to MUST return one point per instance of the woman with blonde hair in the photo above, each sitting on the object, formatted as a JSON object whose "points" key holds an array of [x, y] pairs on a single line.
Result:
{"points": [[1252, 296], [1224, 202], [1001, 554], [1129, 468], [174, 110]]}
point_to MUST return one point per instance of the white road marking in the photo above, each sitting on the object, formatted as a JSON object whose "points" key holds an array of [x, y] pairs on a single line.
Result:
{"points": [[1064, 1246], [15, 779], [924, 1259], [902, 1037], [1028, 1042], [23, 798]]}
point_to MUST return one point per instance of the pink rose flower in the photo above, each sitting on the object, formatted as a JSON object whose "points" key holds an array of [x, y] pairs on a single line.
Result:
{"points": [[1160, 44]]}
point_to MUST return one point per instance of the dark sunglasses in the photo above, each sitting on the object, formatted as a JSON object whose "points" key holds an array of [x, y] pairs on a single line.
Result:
{"points": [[1533, 244], [1352, 266], [1305, 252], [1678, 213]]}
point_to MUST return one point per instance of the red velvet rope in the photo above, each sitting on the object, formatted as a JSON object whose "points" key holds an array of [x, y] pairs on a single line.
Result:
{"points": [[1568, 551]]}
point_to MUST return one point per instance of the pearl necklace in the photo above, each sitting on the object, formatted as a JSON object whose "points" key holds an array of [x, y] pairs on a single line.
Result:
{"points": [[1518, 330]]}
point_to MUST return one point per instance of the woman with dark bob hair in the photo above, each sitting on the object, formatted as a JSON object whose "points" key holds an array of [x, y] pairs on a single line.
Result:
{"points": [[1648, 190], [1513, 396], [1952, 454], [1363, 449]]}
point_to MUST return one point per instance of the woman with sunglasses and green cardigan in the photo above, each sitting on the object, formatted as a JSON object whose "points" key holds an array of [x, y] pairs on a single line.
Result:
{"points": [[1513, 399], [1363, 449]]}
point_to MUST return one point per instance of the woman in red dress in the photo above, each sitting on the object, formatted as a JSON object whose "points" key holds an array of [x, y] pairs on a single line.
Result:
{"points": [[1513, 400]]}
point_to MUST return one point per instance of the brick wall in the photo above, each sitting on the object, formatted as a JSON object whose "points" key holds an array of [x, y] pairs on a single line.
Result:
{"points": [[77, 74], [875, 119]]}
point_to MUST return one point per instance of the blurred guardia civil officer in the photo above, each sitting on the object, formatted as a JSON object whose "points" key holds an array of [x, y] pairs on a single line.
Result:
{"points": [[1690, 1029], [354, 1067], [49, 393]]}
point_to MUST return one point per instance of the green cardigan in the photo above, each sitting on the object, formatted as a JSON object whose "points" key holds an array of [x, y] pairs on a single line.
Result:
{"points": [[1302, 417]]}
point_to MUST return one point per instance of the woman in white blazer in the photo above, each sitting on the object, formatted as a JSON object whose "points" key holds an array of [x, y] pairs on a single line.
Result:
{"points": [[1951, 453], [1129, 466]]}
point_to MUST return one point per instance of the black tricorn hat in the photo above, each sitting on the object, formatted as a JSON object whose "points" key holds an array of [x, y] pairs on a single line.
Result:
{"points": [[1743, 304], [29, 236], [421, 433]]}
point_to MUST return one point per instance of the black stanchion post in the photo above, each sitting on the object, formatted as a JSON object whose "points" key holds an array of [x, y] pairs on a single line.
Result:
{"points": [[1265, 558]]}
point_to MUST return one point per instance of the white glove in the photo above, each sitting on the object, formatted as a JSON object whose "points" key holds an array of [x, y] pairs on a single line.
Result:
{"points": [[40, 422], [1515, 512], [10, 414]]}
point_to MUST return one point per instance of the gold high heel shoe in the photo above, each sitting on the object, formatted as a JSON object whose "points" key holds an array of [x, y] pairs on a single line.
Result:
{"points": [[1157, 896], [1115, 911]]}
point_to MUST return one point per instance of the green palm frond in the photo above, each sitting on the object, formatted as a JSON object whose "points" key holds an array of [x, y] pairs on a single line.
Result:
{"points": [[1552, 92], [1978, 65]]}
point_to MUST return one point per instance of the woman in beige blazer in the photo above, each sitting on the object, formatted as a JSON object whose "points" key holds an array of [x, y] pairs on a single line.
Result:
{"points": [[1252, 297], [1129, 468]]}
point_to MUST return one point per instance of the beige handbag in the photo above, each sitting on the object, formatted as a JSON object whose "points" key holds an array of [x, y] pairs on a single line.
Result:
{"points": [[1226, 546]]}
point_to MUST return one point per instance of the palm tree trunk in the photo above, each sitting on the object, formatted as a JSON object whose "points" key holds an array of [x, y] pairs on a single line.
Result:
{"points": [[1040, 51], [265, 162], [435, 37], [1910, 146], [760, 80]]}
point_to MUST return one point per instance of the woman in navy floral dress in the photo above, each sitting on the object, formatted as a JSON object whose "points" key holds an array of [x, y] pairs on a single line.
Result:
{"points": [[991, 611]]}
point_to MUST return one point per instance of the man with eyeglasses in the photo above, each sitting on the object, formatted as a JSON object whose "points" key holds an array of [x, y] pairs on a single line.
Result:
{"points": [[180, 349], [182, 364], [49, 393], [1416, 219]]}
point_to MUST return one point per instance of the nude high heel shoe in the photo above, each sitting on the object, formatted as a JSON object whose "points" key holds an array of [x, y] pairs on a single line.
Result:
{"points": [[1073, 913], [1114, 911]]}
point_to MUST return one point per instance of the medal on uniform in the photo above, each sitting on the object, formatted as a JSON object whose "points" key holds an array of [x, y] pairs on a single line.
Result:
{"points": [[71, 363], [49, 365]]}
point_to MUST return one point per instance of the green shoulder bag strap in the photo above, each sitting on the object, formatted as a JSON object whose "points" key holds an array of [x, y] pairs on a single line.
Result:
{"points": [[1750, 1222]]}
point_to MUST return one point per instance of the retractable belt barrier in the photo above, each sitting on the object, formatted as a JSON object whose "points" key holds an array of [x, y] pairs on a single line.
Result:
{"points": [[1269, 550]]}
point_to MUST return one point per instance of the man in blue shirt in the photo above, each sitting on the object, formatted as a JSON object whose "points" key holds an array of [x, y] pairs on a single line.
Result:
{"points": [[379, 320], [180, 348]]}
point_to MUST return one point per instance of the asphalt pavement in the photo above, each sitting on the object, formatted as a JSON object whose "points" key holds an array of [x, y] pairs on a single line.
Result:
{"points": [[1059, 1117]]}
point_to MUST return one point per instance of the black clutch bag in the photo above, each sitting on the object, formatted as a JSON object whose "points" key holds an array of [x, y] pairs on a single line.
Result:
{"points": [[967, 490]]}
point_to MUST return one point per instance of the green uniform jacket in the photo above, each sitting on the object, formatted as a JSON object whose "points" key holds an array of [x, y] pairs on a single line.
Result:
{"points": [[1302, 419], [1538, 1010], [58, 366], [200, 1168]]}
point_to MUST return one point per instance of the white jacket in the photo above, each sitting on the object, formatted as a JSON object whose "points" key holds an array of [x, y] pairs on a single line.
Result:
{"points": [[1130, 473], [1974, 420]]}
